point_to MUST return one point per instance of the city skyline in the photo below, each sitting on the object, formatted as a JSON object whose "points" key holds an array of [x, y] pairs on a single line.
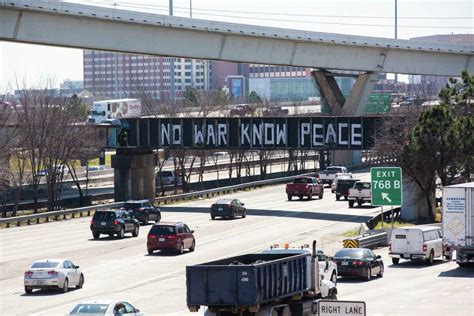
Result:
{"points": [[33, 65]]}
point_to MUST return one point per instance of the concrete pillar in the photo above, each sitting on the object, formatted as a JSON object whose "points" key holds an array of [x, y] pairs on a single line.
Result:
{"points": [[134, 174], [413, 201], [355, 103], [329, 91]]}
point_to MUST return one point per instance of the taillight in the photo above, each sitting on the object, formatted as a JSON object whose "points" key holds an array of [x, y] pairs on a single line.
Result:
{"points": [[115, 222], [53, 273], [28, 274], [151, 236], [425, 248]]}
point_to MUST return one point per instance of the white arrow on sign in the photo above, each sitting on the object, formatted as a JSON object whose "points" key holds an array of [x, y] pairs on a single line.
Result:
{"points": [[385, 197]]}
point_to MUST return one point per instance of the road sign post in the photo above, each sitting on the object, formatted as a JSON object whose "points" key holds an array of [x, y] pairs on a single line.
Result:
{"points": [[386, 186]]}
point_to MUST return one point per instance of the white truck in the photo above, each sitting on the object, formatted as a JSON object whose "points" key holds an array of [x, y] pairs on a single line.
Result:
{"points": [[330, 174], [114, 109], [458, 222], [360, 193]]}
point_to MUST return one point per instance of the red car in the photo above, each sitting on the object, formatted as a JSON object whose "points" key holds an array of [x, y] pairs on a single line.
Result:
{"points": [[305, 186], [170, 236]]}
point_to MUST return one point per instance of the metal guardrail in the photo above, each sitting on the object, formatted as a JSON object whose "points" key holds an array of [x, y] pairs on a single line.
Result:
{"points": [[371, 239], [57, 215], [386, 216]]}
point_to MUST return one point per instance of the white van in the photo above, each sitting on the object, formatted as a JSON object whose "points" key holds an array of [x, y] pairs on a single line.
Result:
{"points": [[416, 242]]}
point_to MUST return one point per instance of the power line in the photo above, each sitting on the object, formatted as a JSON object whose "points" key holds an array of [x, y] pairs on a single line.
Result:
{"points": [[180, 10]]}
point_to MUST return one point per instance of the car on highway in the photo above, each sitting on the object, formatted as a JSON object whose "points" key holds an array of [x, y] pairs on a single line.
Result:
{"points": [[111, 122], [106, 308], [360, 193], [53, 273], [361, 262], [241, 110], [275, 111], [95, 168], [168, 177], [331, 172], [114, 222], [423, 242], [305, 186], [170, 236], [228, 208], [143, 210], [342, 186]]}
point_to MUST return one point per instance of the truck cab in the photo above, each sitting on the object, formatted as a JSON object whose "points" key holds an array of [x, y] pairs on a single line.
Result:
{"points": [[360, 193]]}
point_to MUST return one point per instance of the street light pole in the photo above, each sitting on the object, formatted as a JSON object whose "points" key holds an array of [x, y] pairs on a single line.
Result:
{"points": [[173, 94], [396, 35], [191, 9]]}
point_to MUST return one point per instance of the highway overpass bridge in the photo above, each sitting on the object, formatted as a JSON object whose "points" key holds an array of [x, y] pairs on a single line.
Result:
{"points": [[101, 28]]}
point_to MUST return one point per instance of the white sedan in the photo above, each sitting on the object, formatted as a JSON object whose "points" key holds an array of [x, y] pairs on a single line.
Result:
{"points": [[53, 273], [105, 307]]}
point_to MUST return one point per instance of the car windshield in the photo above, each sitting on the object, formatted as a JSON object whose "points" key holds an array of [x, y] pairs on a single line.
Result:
{"points": [[45, 265], [104, 216], [362, 185], [223, 201], [333, 170], [349, 253], [165, 174], [96, 309], [132, 205], [163, 230], [302, 180]]}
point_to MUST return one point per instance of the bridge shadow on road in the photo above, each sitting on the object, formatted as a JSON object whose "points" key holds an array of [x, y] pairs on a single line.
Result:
{"points": [[415, 264], [279, 213], [465, 272]]}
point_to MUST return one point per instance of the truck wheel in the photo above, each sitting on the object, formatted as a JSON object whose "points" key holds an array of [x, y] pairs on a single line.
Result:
{"points": [[244, 214], [345, 197], [289, 197], [321, 195], [351, 203], [338, 197], [430, 258], [213, 217], [28, 290], [96, 235], [359, 203], [395, 260], [333, 296], [310, 195], [300, 197]]}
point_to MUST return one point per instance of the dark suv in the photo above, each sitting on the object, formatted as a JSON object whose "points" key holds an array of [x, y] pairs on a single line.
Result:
{"points": [[143, 211], [170, 236], [111, 222]]}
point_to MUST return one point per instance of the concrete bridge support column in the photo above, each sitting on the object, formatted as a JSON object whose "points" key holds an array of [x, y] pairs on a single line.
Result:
{"points": [[354, 105], [134, 174]]}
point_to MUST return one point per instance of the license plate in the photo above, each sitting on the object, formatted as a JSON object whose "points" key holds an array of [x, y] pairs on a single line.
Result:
{"points": [[219, 209], [39, 282], [103, 223], [345, 263], [161, 239]]}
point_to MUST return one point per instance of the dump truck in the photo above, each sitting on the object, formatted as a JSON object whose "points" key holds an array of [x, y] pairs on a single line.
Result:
{"points": [[259, 284], [458, 222]]}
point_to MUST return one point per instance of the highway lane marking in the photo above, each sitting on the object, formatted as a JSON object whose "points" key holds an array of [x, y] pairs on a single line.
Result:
{"points": [[179, 272]]}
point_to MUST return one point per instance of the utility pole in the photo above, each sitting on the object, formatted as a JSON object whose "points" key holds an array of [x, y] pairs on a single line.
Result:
{"points": [[396, 36], [172, 91], [191, 9]]}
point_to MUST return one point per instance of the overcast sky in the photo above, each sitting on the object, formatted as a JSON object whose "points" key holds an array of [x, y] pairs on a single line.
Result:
{"points": [[33, 64]]}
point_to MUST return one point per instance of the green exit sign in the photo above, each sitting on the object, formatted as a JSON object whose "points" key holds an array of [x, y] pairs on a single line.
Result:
{"points": [[386, 186]]}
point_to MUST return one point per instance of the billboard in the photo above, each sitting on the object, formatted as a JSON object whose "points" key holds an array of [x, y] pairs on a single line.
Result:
{"points": [[248, 133]]}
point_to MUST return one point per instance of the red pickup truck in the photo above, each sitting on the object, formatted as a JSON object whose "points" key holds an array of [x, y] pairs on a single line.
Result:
{"points": [[305, 186]]}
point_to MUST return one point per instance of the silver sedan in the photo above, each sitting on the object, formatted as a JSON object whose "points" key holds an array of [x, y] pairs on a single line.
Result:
{"points": [[105, 307], [53, 273]]}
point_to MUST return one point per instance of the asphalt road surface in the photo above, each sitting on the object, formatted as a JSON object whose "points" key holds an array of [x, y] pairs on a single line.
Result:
{"points": [[122, 269]]}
